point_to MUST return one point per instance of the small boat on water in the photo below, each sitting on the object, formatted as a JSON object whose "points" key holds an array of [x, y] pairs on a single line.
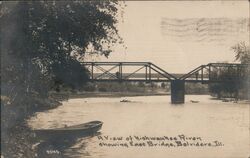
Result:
{"points": [[84, 129], [125, 101], [194, 101]]}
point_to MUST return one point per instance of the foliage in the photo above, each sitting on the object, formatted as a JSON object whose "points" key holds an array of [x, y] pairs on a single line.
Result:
{"points": [[225, 89], [43, 43], [137, 87], [196, 88], [239, 83], [242, 52]]}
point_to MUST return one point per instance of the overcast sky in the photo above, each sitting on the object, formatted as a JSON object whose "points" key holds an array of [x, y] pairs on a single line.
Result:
{"points": [[179, 36]]}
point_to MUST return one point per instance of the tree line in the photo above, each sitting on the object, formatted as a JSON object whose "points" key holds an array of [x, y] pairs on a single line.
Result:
{"points": [[239, 86]]}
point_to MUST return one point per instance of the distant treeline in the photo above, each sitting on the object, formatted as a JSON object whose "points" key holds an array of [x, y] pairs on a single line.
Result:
{"points": [[137, 87]]}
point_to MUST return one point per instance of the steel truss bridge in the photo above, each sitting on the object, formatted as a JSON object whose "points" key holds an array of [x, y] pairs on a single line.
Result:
{"points": [[149, 72]]}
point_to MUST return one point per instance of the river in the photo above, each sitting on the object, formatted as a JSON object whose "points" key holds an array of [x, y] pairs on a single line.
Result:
{"points": [[154, 116]]}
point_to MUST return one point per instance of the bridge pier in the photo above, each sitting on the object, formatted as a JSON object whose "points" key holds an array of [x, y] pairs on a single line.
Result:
{"points": [[177, 91]]}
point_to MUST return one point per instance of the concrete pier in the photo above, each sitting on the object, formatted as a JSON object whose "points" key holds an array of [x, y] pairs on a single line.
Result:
{"points": [[177, 91]]}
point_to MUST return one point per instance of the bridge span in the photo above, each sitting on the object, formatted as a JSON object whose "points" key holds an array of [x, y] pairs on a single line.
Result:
{"points": [[149, 72]]}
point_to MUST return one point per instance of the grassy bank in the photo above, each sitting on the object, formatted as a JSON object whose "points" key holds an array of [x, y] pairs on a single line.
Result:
{"points": [[17, 139], [18, 142]]}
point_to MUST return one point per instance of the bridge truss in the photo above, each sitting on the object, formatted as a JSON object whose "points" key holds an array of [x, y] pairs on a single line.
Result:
{"points": [[149, 72], [127, 71], [218, 72]]}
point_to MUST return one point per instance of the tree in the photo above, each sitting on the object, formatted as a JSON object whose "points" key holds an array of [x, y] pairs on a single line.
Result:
{"points": [[225, 89], [239, 85], [43, 43], [242, 52], [53, 36]]}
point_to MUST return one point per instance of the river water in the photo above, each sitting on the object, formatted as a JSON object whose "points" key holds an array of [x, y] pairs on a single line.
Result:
{"points": [[153, 116]]}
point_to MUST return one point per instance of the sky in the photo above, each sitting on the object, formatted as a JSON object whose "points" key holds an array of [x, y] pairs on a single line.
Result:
{"points": [[180, 36]]}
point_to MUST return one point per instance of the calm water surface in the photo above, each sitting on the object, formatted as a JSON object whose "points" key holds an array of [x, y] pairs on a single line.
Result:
{"points": [[154, 116]]}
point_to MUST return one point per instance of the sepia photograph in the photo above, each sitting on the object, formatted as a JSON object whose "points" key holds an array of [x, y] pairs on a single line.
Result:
{"points": [[125, 79]]}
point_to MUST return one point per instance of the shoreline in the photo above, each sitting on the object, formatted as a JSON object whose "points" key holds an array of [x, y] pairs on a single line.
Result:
{"points": [[135, 94], [18, 139], [113, 94], [21, 138]]}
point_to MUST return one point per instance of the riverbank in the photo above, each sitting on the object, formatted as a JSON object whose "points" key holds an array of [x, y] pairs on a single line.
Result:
{"points": [[18, 142], [17, 139], [144, 113], [66, 95], [114, 94]]}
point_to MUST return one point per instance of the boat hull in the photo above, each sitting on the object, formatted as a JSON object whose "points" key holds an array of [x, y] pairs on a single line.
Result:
{"points": [[86, 129]]}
